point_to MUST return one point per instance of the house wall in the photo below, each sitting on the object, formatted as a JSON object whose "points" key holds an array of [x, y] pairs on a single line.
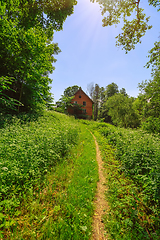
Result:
{"points": [[84, 98]]}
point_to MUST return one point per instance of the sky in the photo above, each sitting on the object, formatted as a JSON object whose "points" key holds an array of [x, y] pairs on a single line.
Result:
{"points": [[88, 52]]}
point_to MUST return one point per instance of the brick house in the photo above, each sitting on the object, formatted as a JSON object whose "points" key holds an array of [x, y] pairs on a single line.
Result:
{"points": [[80, 97]]}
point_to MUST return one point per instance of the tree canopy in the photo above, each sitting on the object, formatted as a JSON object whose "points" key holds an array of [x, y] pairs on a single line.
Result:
{"points": [[136, 23], [27, 50], [49, 14], [70, 91]]}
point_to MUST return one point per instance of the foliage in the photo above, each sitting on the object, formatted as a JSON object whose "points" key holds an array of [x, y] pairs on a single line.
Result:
{"points": [[28, 151], [27, 58], [58, 204], [133, 174], [96, 95], [111, 89], [70, 91], [134, 19], [120, 108], [150, 100], [26, 49], [49, 14], [6, 103], [65, 103], [65, 100], [154, 57]]}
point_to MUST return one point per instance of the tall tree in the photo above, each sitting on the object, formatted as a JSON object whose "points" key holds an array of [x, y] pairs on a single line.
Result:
{"points": [[26, 57], [96, 100], [123, 91], [49, 14], [70, 91], [150, 103], [121, 110], [26, 48], [111, 89]]}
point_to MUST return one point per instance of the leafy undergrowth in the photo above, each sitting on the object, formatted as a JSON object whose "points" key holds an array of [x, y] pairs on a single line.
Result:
{"points": [[48, 180], [132, 162]]}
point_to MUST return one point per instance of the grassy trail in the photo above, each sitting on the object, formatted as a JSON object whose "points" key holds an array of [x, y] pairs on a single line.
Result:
{"points": [[101, 205], [63, 207]]}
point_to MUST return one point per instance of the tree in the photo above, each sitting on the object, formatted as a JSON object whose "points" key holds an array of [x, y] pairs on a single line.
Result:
{"points": [[26, 56], [154, 55], [123, 91], [150, 93], [132, 30], [111, 89], [96, 100], [7, 103], [64, 103], [121, 110], [26, 49], [30, 13], [70, 91], [150, 103], [66, 100]]}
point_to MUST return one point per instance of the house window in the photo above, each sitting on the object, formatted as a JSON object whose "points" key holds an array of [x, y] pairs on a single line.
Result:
{"points": [[84, 103], [79, 96], [75, 102], [84, 111]]}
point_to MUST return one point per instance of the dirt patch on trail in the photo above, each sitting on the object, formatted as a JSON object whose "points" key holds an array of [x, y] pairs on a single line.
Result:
{"points": [[101, 205]]}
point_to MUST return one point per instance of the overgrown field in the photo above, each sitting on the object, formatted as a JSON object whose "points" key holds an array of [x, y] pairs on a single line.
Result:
{"points": [[48, 176], [132, 160]]}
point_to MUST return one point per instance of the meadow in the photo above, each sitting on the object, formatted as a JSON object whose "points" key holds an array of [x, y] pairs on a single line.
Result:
{"points": [[132, 162], [48, 176]]}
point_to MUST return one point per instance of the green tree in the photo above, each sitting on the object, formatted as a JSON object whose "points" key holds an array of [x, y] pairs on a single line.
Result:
{"points": [[133, 16], [26, 51], [26, 56], [123, 91], [49, 14], [150, 93], [150, 102], [111, 89], [120, 109], [96, 100], [70, 91], [65, 101]]}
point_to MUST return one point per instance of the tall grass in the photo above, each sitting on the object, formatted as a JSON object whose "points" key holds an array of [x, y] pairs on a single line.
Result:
{"points": [[49, 177], [133, 166], [27, 152]]}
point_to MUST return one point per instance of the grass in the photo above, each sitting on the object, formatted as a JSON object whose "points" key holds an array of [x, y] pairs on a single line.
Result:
{"points": [[132, 166], [60, 205]]}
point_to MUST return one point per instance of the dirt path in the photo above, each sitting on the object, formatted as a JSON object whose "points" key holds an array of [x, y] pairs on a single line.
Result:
{"points": [[101, 205]]}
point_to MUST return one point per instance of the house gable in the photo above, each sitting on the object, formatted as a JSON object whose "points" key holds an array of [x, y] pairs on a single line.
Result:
{"points": [[82, 98]]}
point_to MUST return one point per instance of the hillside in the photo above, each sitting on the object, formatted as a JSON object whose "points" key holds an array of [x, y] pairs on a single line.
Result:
{"points": [[49, 176]]}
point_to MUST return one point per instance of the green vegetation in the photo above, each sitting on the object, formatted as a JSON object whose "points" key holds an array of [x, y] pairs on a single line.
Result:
{"points": [[135, 21], [132, 162], [27, 51], [48, 174]]}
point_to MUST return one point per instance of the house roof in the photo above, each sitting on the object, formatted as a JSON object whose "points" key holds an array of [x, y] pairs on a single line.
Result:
{"points": [[80, 89]]}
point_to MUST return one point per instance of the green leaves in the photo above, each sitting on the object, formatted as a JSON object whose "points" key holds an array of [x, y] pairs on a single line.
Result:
{"points": [[133, 30], [27, 51], [27, 57], [120, 109], [132, 163], [28, 151]]}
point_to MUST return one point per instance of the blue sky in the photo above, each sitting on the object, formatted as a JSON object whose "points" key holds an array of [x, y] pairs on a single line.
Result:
{"points": [[89, 53]]}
